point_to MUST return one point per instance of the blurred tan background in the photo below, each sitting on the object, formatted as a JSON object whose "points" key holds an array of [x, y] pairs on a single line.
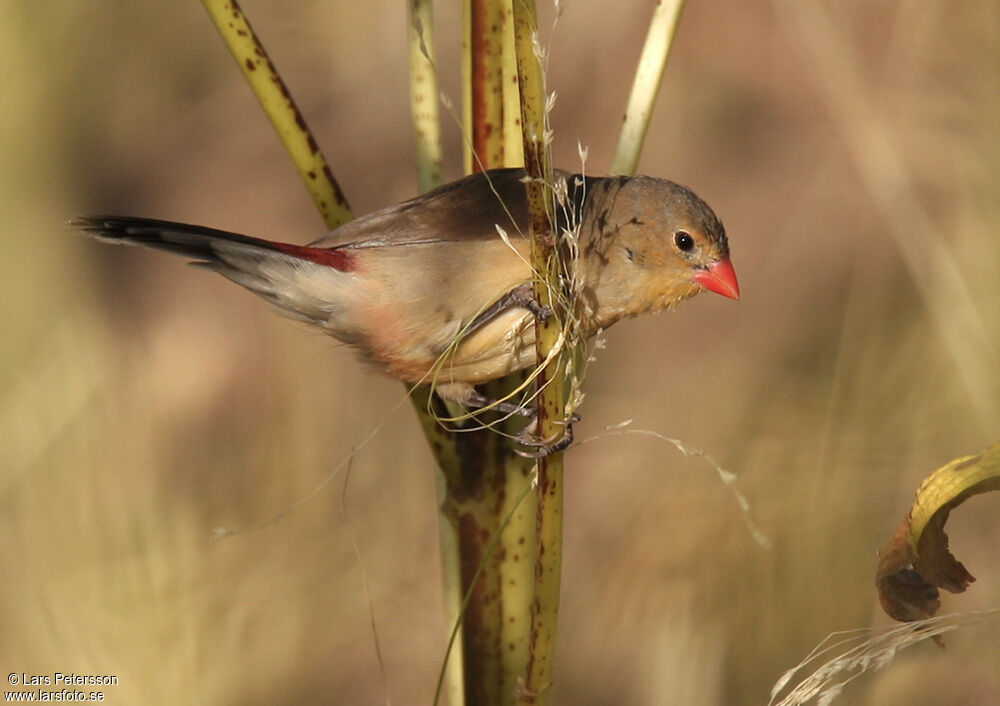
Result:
{"points": [[853, 151]]}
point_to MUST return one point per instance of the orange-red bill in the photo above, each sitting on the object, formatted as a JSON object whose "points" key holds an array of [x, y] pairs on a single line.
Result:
{"points": [[719, 277]]}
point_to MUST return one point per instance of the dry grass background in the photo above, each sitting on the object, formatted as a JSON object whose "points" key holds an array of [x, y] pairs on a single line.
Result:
{"points": [[852, 151]]}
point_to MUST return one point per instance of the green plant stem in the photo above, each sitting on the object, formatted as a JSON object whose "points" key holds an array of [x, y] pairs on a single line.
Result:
{"points": [[281, 110], [485, 504], [513, 144], [550, 402], [646, 85], [424, 94], [486, 44], [450, 451]]}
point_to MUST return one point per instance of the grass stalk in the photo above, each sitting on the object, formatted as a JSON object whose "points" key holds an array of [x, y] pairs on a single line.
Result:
{"points": [[513, 144], [487, 509], [486, 87], [518, 538], [274, 97], [548, 336], [646, 85], [424, 94]]}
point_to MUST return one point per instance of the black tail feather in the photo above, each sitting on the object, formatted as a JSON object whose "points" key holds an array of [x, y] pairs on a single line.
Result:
{"points": [[178, 238]]}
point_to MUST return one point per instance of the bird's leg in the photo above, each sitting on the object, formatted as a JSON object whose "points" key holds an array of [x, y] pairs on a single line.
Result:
{"points": [[520, 297], [472, 399], [523, 297], [477, 400]]}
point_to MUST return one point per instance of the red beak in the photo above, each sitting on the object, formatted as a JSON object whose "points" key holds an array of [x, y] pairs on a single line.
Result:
{"points": [[719, 277]]}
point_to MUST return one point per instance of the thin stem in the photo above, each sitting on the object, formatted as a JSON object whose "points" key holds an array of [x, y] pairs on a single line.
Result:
{"points": [[423, 94], [646, 85], [513, 145], [281, 110]]}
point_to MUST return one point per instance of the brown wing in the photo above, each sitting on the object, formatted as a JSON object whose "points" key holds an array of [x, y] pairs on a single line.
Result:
{"points": [[464, 210], [467, 209]]}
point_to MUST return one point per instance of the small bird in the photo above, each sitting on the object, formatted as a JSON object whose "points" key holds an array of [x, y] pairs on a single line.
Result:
{"points": [[429, 289]]}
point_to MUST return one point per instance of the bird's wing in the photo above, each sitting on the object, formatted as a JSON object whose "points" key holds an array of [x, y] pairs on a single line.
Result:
{"points": [[465, 210]]}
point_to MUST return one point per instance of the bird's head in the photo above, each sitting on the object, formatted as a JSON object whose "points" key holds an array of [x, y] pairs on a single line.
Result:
{"points": [[652, 243]]}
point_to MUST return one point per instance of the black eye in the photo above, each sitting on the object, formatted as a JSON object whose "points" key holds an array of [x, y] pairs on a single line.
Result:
{"points": [[683, 241]]}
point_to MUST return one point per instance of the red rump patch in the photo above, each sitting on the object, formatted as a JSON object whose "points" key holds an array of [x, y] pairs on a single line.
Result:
{"points": [[328, 257]]}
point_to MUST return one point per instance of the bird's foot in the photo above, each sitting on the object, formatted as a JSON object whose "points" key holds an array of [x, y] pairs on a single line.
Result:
{"points": [[540, 448], [528, 436], [542, 313], [521, 297]]}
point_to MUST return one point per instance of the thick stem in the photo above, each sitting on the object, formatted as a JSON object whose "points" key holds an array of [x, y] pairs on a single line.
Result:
{"points": [[486, 43], [488, 509], [551, 411]]}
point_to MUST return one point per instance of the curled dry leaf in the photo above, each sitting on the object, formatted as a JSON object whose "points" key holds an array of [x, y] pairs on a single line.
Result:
{"points": [[916, 562]]}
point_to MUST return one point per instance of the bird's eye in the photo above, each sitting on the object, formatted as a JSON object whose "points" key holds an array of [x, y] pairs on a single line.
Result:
{"points": [[683, 241]]}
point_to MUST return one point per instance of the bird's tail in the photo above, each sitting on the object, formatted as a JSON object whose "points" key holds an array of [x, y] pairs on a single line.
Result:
{"points": [[302, 282], [205, 245]]}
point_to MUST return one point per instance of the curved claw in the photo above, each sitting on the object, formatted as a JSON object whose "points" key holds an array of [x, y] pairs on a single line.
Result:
{"points": [[544, 448]]}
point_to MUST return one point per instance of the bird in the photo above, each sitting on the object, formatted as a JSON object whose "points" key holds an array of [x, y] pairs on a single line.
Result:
{"points": [[439, 288]]}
